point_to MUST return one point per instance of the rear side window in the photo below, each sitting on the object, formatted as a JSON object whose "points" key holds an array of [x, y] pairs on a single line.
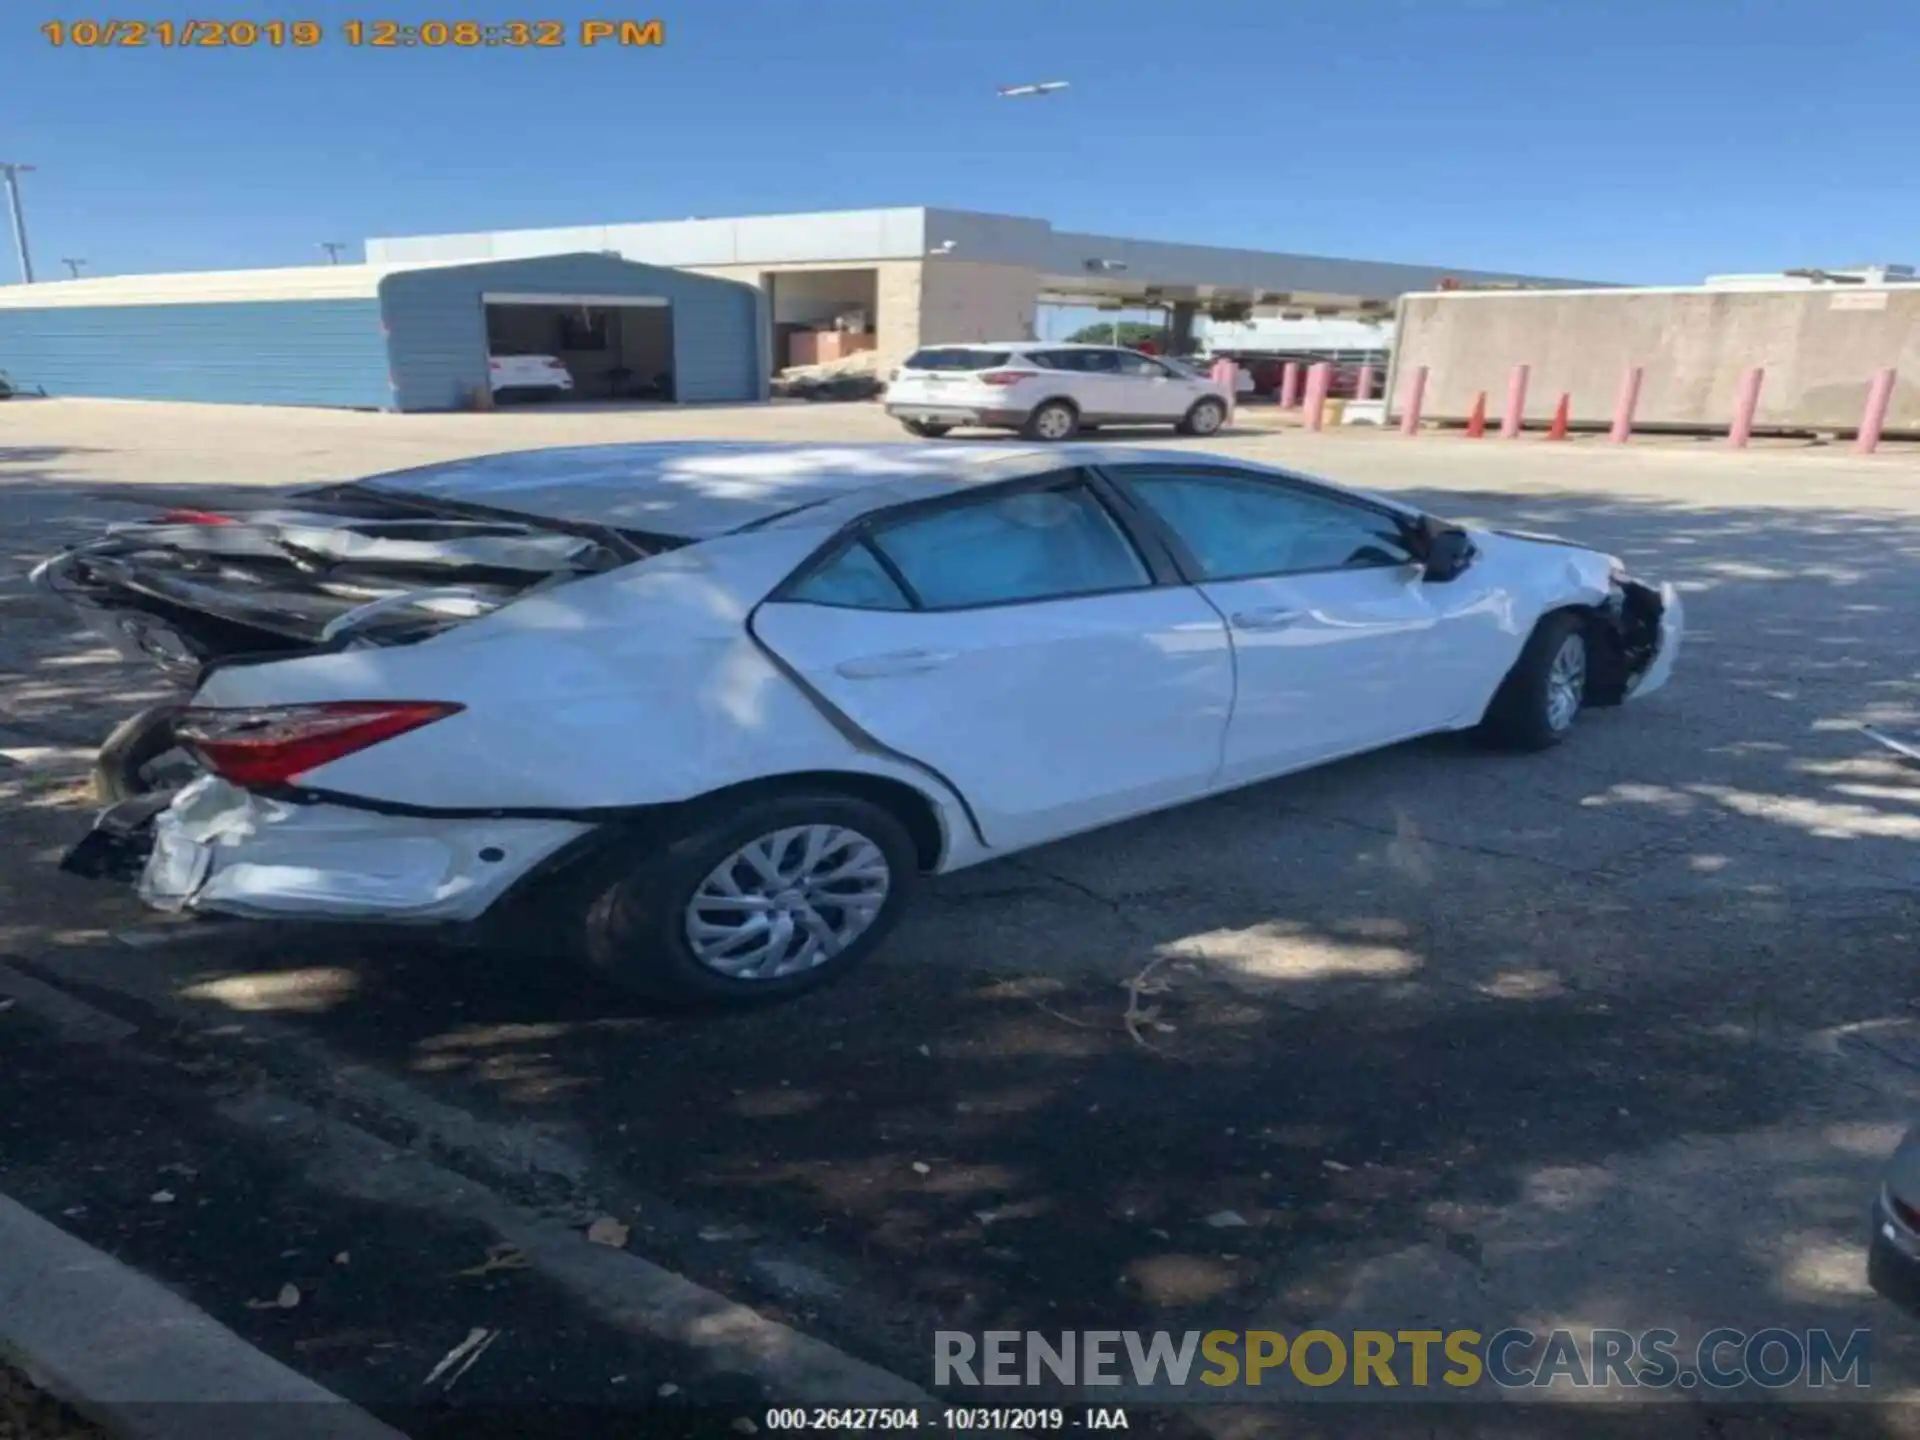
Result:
{"points": [[957, 358], [1028, 546], [853, 580]]}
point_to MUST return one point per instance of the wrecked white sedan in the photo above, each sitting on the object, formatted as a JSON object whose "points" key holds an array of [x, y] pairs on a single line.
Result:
{"points": [[710, 709]]}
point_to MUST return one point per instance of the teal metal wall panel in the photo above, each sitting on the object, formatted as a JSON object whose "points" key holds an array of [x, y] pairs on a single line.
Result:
{"points": [[266, 352]]}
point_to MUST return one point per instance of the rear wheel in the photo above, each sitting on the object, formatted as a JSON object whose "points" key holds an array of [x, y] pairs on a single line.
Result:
{"points": [[1543, 694], [1052, 420], [926, 429], [752, 905], [1205, 418]]}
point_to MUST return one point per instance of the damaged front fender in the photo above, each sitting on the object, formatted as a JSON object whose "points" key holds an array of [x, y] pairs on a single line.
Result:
{"points": [[1634, 641]]}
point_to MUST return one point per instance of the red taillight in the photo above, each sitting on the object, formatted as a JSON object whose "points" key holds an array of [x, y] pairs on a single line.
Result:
{"points": [[195, 517], [1007, 377], [259, 748]]}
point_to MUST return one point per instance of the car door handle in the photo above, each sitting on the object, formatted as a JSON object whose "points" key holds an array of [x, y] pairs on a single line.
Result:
{"points": [[897, 662], [1272, 618]]}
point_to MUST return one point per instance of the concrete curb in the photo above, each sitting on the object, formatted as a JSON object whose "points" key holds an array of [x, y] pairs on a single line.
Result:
{"points": [[618, 1284], [137, 1359]]}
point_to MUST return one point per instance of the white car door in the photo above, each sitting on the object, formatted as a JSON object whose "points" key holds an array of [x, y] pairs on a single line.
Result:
{"points": [[1095, 383], [1154, 391], [1335, 633], [1016, 643]]}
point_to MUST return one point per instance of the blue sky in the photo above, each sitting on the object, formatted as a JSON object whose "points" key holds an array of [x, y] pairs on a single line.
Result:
{"points": [[1631, 140]]}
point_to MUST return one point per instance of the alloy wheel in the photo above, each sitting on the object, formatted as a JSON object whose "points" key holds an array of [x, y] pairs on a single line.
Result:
{"points": [[1566, 682], [787, 902]]}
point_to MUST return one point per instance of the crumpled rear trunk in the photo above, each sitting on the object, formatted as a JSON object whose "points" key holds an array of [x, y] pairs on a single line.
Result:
{"points": [[192, 587]]}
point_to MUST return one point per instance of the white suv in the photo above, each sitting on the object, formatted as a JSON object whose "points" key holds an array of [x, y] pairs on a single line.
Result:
{"points": [[1050, 392]]}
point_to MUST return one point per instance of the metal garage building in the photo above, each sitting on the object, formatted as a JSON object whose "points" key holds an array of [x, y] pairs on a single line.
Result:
{"points": [[385, 337]]}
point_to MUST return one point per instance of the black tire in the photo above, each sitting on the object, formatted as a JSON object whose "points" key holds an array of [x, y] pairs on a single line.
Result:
{"points": [[1037, 424], [633, 924], [926, 429], [121, 770], [1522, 715], [1195, 423]]}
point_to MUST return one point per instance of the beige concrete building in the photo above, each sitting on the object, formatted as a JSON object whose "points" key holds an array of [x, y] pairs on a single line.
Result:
{"points": [[915, 276], [1820, 345]]}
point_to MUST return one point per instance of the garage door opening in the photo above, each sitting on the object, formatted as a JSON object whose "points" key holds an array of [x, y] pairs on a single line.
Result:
{"points": [[822, 317], [579, 347]]}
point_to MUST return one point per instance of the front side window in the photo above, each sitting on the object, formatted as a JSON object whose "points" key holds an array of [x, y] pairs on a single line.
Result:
{"points": [[1238, 526], [1030, 545], [1140, 367], [1082, 362], [852, 580]]}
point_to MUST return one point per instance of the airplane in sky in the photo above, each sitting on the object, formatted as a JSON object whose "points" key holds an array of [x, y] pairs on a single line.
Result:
{"points": [[1044, 87]]}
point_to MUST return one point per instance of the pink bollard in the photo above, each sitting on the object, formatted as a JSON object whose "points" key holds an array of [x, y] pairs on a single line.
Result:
{"points": [[1410, 408], [1516, 403], [1623, 407], [1290, 385], [1879, 396], [1227, 373], [1363, 386], [1319, 379], [1745, 402]]}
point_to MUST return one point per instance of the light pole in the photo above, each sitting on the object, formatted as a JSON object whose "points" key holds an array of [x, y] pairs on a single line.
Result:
{"points": [[333, 249], [12, 173], [73, 266]]}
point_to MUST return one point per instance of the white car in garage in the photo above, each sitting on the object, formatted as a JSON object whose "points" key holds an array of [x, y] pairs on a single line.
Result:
{"points": [[1050, 392], [543, 375], [710, 710]]}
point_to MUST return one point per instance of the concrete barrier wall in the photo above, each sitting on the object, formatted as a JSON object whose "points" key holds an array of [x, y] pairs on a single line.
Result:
{"points": [[1820, 346]]}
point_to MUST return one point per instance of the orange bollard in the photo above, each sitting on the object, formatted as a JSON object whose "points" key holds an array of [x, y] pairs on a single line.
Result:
{"points": [[1477, 421], [1558, 430]]}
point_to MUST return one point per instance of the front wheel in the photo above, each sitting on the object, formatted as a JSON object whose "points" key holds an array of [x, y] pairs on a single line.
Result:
{"points": [[1543, 694], [1205, 418], [925, 429], [1055, 420], [752, 905]]}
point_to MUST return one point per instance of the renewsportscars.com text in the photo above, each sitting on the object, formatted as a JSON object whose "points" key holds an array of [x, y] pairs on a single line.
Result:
{"points": [[1379, 1360]]}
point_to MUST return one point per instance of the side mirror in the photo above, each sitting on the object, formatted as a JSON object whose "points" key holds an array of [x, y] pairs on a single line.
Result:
{"points": [[1449, 553]]}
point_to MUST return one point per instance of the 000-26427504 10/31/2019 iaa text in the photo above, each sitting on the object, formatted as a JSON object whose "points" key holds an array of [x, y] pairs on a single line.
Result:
{"points": [[1010, 1419]]}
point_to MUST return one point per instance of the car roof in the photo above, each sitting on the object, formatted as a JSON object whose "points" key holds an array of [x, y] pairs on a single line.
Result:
{"points": [[701, 488], [698, 489], [1018, 345]]}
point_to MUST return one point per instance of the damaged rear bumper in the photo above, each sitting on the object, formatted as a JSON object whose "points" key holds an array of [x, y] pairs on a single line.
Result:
{"points": [[215, 848]]}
